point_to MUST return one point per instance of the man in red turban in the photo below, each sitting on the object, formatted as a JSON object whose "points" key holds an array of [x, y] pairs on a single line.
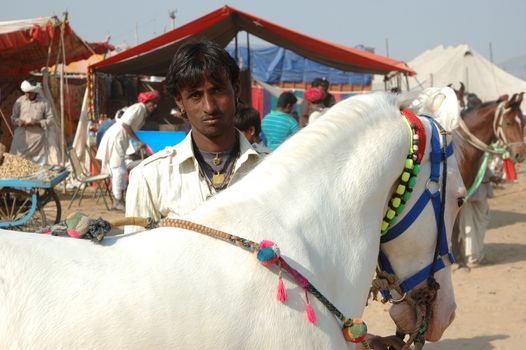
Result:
{"points": [[315, 97], [112, 148]]}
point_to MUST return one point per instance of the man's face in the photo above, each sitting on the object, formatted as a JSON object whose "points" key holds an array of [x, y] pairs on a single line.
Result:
{"points": [[150, 106], [210, 108], [31, 95]]}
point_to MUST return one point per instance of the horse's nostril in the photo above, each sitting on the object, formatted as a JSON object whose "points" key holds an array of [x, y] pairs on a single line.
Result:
{"points": [[460, 201]]}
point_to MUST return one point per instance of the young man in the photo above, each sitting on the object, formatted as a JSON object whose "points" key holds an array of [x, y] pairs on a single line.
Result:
{"points": [[279, 125], [204, 80], [32, 116]]}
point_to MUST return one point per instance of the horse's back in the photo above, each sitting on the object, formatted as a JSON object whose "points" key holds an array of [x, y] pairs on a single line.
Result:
{"points": [[163, 288]]}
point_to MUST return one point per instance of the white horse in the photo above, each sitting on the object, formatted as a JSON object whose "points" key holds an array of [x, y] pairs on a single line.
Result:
{"points": [[321, 197]]}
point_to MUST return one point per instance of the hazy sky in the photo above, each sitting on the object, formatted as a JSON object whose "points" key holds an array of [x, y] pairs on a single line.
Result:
{"points": [[409, 26]]}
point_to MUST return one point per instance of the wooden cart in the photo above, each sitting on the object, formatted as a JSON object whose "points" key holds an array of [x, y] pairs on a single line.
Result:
{"points": [[30, 203]]}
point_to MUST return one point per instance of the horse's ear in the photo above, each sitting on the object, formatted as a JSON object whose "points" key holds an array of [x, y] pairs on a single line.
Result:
{"points": [[445, 109], [519, 98], [510, 102], [462, 87]]}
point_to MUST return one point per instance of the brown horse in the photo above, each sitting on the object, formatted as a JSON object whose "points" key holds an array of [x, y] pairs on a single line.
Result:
{"points": [[490, 122]]}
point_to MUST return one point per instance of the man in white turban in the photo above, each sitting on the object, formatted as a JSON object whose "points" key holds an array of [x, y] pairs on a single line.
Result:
{"points": [[32, 116]]}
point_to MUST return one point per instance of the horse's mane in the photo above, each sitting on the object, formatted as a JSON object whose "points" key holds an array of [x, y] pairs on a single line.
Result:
{"points": [[478, 107], [336, 133]]}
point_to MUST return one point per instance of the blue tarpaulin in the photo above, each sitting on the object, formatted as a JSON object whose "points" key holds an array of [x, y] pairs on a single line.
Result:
{"points": [[273, 64]]}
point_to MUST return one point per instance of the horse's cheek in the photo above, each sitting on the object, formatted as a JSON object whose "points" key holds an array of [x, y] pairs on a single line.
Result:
{"points": [[403, 316]]}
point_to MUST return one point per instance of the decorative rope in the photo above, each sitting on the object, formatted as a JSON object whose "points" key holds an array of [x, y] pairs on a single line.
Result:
{"points": [[91, 93], [353, 330], [384, 281], [404, 189]]}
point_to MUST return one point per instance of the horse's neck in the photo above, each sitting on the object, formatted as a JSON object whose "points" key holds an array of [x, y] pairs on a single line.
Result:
{"points": [[480, 125], [318, 207]]}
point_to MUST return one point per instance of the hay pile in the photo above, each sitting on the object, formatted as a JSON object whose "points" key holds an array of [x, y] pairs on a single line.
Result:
{"points": [[14, 167]]}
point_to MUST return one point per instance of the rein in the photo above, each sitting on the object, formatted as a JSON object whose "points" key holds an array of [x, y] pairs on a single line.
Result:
{"points": [[497, 130]]}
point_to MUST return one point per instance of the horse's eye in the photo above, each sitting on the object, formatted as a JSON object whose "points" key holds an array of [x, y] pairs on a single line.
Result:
{"points": [[460, 201], [508, 124]]}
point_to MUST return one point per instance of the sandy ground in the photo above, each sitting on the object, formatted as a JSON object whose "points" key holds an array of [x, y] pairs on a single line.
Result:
{"points": [[491, 313]]}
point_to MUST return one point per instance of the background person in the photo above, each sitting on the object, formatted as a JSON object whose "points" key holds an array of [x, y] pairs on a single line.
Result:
{"points": [[115, 142], [315, 97], [32, 116], [279, 125], [204, 79], [328, 101], [248, 122]]}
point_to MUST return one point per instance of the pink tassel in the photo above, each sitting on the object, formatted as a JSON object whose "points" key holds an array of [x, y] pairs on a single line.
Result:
{"points": [[311, 316], [310, 313], [282, 293]]}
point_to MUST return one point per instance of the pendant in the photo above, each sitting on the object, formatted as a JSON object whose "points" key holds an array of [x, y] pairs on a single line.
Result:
{"points": [[217, 160], [218, 179]]}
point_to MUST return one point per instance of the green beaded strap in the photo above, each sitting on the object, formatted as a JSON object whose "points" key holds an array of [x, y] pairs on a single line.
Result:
{"points": [[407, 182]]}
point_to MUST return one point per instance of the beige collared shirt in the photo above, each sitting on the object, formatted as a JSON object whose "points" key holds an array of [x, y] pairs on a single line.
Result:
{"points": [[169, 183]]}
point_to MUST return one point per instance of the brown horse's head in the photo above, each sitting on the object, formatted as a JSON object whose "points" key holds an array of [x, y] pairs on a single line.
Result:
{"points": [[512, 125]]}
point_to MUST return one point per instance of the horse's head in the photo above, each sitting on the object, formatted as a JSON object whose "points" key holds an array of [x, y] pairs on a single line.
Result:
{"points": [[510, 128], [414, 250]]}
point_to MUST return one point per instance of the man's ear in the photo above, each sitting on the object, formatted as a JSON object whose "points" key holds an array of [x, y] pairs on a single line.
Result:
{"points": [[179, 102], [251, 130]]}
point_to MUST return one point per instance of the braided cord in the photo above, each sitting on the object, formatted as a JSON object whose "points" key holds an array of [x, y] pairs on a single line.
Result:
{"points": [[252, 247]]}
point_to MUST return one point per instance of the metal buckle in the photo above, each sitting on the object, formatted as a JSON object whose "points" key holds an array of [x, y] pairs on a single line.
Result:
{"points": [[433, 189], [398, 301]]}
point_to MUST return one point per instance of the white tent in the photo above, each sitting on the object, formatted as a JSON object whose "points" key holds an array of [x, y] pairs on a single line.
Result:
{"points": [[450, 65]]}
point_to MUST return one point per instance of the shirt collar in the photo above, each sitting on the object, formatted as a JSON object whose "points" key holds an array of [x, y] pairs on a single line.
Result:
{"points": [[186, 151]]}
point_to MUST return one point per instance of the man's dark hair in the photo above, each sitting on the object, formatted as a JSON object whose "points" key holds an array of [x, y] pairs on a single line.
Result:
{"points": [[286, 98], [246, 117], [320, 82], [195, 62]]}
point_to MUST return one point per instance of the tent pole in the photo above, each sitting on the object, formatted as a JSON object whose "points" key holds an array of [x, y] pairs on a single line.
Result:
{"points": [[62, 131], [6, 123], [235, 49], [248, 53]]}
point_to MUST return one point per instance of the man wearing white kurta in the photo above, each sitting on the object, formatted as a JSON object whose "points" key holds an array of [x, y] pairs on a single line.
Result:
{"points": [[169, 183], [204, 80], [32, 116], [112, 148], [474, 218]]}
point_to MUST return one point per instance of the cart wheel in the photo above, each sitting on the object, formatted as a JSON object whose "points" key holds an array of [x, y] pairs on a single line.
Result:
{"points": [[49, 202], [15, 205]]}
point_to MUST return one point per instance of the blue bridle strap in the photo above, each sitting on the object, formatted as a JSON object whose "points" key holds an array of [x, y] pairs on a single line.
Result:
{"points": [[445, 258]]}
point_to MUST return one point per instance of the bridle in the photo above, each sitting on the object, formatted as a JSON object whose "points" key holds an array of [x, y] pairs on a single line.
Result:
{"points": [[442, 257], [498, 131]]}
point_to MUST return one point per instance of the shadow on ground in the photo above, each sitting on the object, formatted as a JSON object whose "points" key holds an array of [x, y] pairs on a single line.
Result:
{"points": [[501, 218], [475, 343], [504, 253]]}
